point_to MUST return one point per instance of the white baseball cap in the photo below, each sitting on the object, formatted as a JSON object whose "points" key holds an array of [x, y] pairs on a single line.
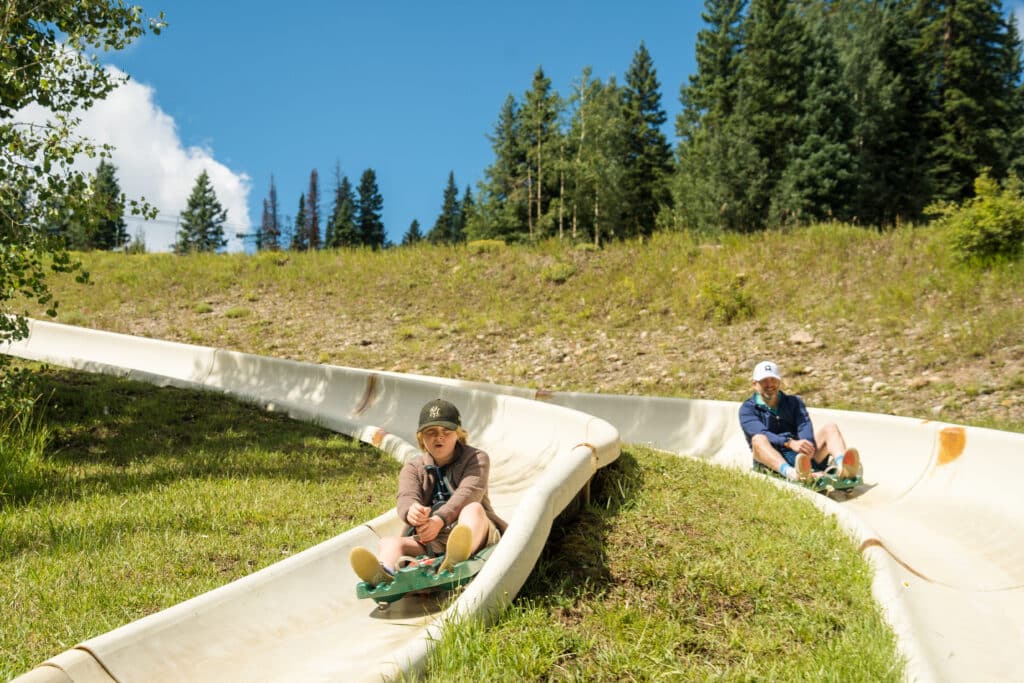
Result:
{"points": [[766, 368]]}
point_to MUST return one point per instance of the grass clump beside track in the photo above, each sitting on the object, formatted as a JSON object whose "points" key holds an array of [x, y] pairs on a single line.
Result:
{"points": [[682, 571], [150, 496]]}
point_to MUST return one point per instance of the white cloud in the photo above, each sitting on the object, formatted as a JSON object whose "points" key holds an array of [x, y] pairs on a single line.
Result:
{"points": [[152, 163]]}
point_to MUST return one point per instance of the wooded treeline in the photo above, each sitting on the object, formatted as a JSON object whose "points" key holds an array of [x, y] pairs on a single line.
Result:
{"points": [[355, 219], [865, 111], [862, 111]]}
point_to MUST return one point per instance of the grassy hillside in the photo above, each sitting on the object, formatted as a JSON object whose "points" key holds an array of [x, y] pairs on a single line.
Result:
{"points": [[882, 322], [147, 496], [655, 578]]}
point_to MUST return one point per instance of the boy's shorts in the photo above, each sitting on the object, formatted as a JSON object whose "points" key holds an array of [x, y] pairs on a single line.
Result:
{"points": [[437, 546]]}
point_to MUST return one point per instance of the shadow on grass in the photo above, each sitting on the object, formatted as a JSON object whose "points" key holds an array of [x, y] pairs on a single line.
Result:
{"points": [[574, 560], [115, 435]]}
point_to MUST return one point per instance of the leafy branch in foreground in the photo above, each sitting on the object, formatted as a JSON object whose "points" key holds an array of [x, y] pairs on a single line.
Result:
{"points": [[49, 73]]}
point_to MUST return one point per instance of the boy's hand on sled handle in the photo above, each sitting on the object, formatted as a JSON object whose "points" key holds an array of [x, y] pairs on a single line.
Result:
{"points": [[429, 530], [418, 515]]}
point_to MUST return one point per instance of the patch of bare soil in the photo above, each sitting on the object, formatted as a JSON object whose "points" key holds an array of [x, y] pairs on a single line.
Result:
{"points": [[839, 367]]}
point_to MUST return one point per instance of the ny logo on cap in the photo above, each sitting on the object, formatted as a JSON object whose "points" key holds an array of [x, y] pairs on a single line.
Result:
{"points": [[435, 411]]}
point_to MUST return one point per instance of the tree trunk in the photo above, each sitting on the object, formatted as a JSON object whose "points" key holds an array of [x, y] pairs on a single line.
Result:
{"points": [[529, 200], [539, 183], [579, 154], [561, 194]]}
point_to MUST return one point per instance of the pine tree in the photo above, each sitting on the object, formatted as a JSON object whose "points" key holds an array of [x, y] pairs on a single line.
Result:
{"points": [[649, 157], [1012, 70], [965, 48], [300, 236], [413, 234], [501, 212], [202, 221], [446, 227], [817, 182], [110, 231], [346, 233], [313, 212], [100, 222], [341, 226], [369, 206], [269, 236], [541, 138], [710, 98], [885, 91], [716, 168], [768, 128], [467, 208], [770, 107], [264, 222]]}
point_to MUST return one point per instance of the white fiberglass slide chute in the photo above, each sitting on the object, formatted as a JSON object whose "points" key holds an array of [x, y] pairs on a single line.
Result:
{"points": [[299, 619], [938, 517]]}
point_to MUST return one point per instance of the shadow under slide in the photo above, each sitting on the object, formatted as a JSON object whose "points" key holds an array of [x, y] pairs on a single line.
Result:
{"points": [[939, 516]]}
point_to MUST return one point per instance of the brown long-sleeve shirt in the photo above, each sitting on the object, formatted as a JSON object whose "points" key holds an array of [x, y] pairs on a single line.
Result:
{"points": [[468, 472]]}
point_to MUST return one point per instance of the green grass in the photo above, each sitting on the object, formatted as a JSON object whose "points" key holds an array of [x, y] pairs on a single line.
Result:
{"points": [[676, 570], [150, 496], [237, 312], [24, 438], [682, 571]]}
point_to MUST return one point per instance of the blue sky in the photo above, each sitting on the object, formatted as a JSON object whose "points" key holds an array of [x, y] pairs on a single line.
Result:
{"points": [[409, 89]]}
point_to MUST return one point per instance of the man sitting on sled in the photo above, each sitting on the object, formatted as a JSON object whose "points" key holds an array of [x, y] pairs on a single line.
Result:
{"points": [[782, 438]]}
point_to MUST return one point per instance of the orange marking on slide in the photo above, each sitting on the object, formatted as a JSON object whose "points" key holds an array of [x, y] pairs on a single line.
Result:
{"points": [[951, 444]]}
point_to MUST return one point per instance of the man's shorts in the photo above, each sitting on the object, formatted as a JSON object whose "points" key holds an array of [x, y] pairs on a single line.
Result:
{"points": [[790, 457]]}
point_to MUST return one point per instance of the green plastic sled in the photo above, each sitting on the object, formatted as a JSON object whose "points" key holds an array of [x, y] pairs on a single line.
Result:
{"points": [[823, 484], [424, 577]]}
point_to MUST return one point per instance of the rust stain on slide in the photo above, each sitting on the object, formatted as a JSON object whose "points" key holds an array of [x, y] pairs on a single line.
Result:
{"points": [[877, 543], [368, 395], [951, 444]]}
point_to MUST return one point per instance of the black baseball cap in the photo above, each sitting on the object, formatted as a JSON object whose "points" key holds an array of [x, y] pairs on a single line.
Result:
{"points": [[439, 413]]}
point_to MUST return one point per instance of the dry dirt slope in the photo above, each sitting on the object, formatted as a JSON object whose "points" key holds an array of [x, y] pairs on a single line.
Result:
{"points": [[895, 330]]}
